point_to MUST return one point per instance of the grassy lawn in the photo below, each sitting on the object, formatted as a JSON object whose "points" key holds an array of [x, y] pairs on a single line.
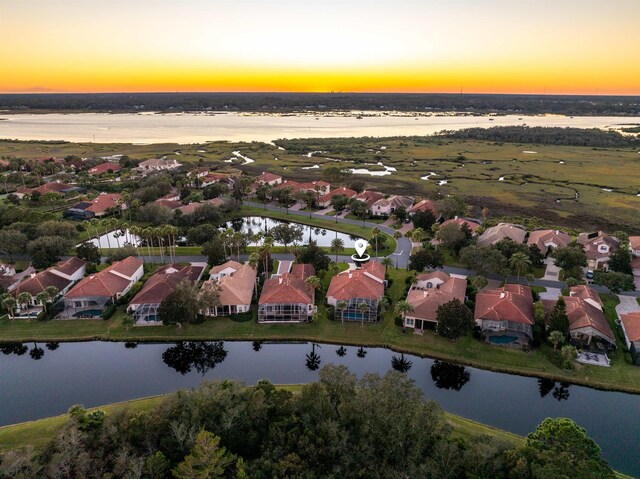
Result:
{"points": [[621, 375]]}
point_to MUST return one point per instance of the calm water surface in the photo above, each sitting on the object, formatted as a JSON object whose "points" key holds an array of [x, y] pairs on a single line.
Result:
{"points": [[200, 127], [96, 373]]}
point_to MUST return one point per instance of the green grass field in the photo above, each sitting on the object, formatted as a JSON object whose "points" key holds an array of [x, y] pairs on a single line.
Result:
{"points": [[543, 184]]}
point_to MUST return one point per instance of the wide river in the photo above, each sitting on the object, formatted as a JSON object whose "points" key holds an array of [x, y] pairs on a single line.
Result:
{"points": [[202, 127], [97, 373]]}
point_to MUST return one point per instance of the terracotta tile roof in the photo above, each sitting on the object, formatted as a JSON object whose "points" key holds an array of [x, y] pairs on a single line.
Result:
{"points": [[634, 242], [103, 202], [267, 177], [106, 283], [592, 242], [513, 302], [237, 288], [70, 265], [471, 224], [425, 205], [395, 201], [164, 281], [104, 168], [582, 314], [631, 323], [229, 264], [349, 193], [502, 231], [289, 287], [426, 302], [171, 204], [41, 281], [367, 282], [370, 197], [190, 208], [441, 275], [154, 163], [545, 238], [172, 195], [585, 292], [53, 187]]}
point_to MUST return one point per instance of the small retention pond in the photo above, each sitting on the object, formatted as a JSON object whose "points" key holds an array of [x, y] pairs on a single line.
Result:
{"points": [[41, 380]]}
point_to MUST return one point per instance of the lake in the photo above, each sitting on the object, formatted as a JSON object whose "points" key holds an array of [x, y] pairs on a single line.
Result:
{"points": [[97, 373], [202, 127]]}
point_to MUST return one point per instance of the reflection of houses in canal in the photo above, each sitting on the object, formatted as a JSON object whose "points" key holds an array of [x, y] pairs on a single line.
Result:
{"points": [[359, 291], [505, 315], [161, 284], [95, 293], [427, 294], [236, 283], [287, 298]]}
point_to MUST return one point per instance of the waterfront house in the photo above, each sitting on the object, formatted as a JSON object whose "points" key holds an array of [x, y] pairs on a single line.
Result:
{"points": [[588, 325], [236, 283], [144, 305], [630, 326], [59, 188], [61, 276], [548, 240], [94, 294], [369, 197], [428, 293], [634, 244], [386, 206], [599, 247], [355, 287], [505, 315], [491, 236], [287, 298], [325, 200], [101, 205]]}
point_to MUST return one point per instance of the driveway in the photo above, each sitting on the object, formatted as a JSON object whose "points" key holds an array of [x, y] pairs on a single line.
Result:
{"points": [[551, 294], [551, 274], [628, 304]]}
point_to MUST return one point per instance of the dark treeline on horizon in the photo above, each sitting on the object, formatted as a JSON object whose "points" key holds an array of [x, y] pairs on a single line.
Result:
{"points": [[292, 102]]}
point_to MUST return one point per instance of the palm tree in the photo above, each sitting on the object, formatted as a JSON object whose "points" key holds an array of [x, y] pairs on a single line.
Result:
{"points": [[24, 299], [397, 235], [341, 351], [403, 307], [105, 223], [256, 345], [254, 260], [265, 253], [337, 246], [361, 352], [313, 359], [37, 352], [314, 283], [387, 262], [9, 303], [417, 235], [341, 306], [375, 232], [520, 262], [383, 306], [363, 307], [334, 269], [556, 338], [401, 364]]}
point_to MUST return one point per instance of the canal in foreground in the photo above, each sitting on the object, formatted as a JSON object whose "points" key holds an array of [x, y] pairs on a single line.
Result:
{"points": [[98, 373]]}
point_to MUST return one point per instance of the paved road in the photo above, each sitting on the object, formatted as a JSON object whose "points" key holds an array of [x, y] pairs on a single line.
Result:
{"points": [[403, 245]]}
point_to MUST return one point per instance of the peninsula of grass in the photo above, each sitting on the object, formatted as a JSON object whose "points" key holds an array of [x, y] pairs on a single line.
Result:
{"points": [[621, 376]]}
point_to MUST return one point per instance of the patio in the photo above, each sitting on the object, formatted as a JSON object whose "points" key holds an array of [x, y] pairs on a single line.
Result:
{"points": [[594, 359]]}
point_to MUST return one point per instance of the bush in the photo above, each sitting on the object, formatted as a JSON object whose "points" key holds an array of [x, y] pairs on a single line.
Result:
{"points": [[110, 311], [331, 313], [398, 321]]}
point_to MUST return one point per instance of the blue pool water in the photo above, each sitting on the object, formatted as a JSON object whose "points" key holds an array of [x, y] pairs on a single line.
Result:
{"points": [[502, 339]]}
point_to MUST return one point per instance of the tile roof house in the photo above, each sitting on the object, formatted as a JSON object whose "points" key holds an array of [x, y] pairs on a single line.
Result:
{"points": [[355, 287], [325, 200], [502, 231], [287, 298], [630, 325], [101, 205], [7, 269], [144, 305], [237, 284], [57, 187], [425, 205], [211, 178], [94, 294], [548, 240], [103, 168], [599, 247], [157, 164], [428, 293], [505, 315], [634, 244], [267, 178], [588, 326], [369, 197], [387, 206], [471, 223]]}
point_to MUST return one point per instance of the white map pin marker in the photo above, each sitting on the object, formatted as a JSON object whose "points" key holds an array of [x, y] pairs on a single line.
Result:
{"points": [[361, 246]]}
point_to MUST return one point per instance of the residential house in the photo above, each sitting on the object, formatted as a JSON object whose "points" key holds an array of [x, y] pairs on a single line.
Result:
{"points": [[61, 276], [369, 197], [505, 315], [634, 244], [548, 240], [236, 283], [95, 293], [588, 325], [502, 231], [425, 205], [325, 200], [287, 298], [7, 269], [428, 293], [386, 206], [62, 189], [157, 164], [101, 205], [144, 306], [599, 247], [212, 178], [630, 326], [270, 179], [355, 287], [103, 168], [472, 224], [316, 187]]}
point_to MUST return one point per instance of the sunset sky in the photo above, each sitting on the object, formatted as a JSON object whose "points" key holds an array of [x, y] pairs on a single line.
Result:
{"points": [[483, 46]]}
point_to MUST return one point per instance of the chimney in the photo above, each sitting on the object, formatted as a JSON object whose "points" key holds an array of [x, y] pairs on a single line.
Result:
{"points": [[279, 279], [502, 294], [350, 274]]}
